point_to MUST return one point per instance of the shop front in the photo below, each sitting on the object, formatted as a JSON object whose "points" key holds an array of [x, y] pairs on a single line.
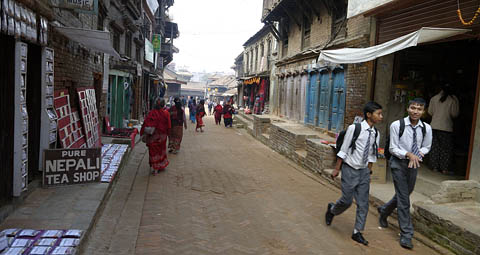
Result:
{"points": [[119, 97], [26, 95], [423, 71], [256, 94]]}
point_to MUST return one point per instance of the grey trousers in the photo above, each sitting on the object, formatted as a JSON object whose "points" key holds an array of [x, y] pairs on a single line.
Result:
{"points": [[404, 179], [355, 184]]}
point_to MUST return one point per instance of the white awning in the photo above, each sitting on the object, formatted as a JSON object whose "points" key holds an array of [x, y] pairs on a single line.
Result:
{"points": [[358, 55], [94, 39], [231, 92]]}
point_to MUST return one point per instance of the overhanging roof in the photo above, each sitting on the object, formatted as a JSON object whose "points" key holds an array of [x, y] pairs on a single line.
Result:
{"points": [[358, 55], [94, 39]]}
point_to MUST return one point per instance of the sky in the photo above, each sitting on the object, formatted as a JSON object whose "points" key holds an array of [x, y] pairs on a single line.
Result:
{"points": [[212, 32]]}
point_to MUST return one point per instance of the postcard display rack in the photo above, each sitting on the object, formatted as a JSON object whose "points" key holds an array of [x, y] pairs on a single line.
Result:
{"points": [[20, 163], [48, 130]]}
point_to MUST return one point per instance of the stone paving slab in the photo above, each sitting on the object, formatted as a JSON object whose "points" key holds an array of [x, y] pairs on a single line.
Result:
{"points": [[226, 193]]}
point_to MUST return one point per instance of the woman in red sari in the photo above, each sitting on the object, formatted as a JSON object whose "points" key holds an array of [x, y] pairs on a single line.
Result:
{"points": [[177, 117], [158, 118], [199, 115], [218, 113]]}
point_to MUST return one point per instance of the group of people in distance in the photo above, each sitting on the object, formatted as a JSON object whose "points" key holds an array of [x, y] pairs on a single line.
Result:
{"points": [[410, 140], [164, 123]]}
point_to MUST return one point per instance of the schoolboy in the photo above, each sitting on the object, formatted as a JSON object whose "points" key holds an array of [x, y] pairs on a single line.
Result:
{"points": [[356, 165], [407, 150]]}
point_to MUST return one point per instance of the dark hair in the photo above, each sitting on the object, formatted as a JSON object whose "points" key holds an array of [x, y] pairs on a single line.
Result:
{"points": [[202, 101], [447, 91], [371, 107], [417, 100], [159, 103]]}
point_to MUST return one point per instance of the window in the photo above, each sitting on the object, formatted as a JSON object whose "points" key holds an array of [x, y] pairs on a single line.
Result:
{"points": [[339, 16], [285, 47], [251, 61], [256, 59], [116, 40], [269, 52], [128, 44], [138, 53], [100, 21], [307, 27]]}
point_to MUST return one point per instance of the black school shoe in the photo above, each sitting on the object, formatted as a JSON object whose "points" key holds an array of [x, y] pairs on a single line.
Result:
{"points": [[329, 215], [358, 237], [406, 243], [382, 218]]}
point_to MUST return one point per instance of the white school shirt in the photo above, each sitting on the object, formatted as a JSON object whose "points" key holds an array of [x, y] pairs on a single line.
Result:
{"points": [[399, 148], [355, 158]]}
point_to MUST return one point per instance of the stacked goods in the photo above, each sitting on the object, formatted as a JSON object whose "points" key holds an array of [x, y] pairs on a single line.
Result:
{"points": [[112, 155], [40, 242]]}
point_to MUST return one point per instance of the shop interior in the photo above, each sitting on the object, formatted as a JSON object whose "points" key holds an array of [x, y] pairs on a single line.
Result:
{"points": [[7, 77], [421, 71]]}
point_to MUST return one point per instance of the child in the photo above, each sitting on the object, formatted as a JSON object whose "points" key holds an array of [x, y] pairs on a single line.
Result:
{"points": [[356, 165], [408, 147]]}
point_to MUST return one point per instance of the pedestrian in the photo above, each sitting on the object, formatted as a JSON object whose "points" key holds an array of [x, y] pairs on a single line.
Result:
{"points": [[178, 120], [410, 141], [192, 107], [228, 114], [184, 101], [443, 108], [158, 124], [210, 106], [200, 113], [355, 160], [218, 113]]}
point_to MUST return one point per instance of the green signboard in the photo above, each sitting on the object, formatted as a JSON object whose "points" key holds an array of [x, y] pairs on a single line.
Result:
{"points": [[157, 42]]}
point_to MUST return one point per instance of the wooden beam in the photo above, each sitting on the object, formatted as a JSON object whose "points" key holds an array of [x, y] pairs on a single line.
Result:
{"points": [[304, 10], [275, 32], [291, 16], [312, 7]]}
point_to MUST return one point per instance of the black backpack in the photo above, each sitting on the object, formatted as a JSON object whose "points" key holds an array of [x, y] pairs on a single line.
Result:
{"points": [[356, 133], [387, 153]]}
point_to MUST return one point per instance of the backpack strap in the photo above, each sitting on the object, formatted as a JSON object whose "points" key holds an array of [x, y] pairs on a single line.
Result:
{"points": [[402, 128], [356, 133], [375, 145]]}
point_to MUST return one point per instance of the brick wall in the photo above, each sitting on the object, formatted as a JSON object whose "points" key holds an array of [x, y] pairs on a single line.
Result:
{"points": [[75, 65]]}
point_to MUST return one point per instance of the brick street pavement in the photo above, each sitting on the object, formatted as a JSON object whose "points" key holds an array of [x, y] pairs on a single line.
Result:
{"points": [[226, 193]]}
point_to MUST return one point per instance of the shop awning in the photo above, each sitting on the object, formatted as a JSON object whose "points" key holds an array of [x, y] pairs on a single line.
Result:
{"points": [[358, 55], [94, 39], [230, 92]]}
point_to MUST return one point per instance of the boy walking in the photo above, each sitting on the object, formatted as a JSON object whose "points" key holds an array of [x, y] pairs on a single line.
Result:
{"points": [[355, 161], [410, 141]]}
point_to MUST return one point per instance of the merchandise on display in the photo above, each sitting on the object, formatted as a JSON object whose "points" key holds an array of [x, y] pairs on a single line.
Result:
{"points": [[39, 242], [112, 155]]}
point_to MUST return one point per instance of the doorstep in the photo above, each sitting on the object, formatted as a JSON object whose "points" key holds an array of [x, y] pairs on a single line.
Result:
{"points": [[67, 207]]}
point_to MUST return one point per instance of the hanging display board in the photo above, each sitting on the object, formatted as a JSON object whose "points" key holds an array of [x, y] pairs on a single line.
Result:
{"points": [[71, 166], [89, 113]]}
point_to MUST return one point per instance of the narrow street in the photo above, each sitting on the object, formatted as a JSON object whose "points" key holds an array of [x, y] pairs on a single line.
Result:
{"points": [[226, 193]]}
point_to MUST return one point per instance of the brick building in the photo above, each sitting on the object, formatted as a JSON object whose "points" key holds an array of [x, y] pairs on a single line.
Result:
{"points": [[328, 97], [258, 58]]}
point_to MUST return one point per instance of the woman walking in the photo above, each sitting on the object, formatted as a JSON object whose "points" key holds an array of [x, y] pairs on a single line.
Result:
{"points": [[156, 127], [178, 121], [228, 114], [444, 107], [192, 108], [218, 113], [199, 115]]}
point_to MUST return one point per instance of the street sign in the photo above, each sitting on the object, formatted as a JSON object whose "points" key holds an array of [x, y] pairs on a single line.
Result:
{"points": [[157, 43], [71, 166]]}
